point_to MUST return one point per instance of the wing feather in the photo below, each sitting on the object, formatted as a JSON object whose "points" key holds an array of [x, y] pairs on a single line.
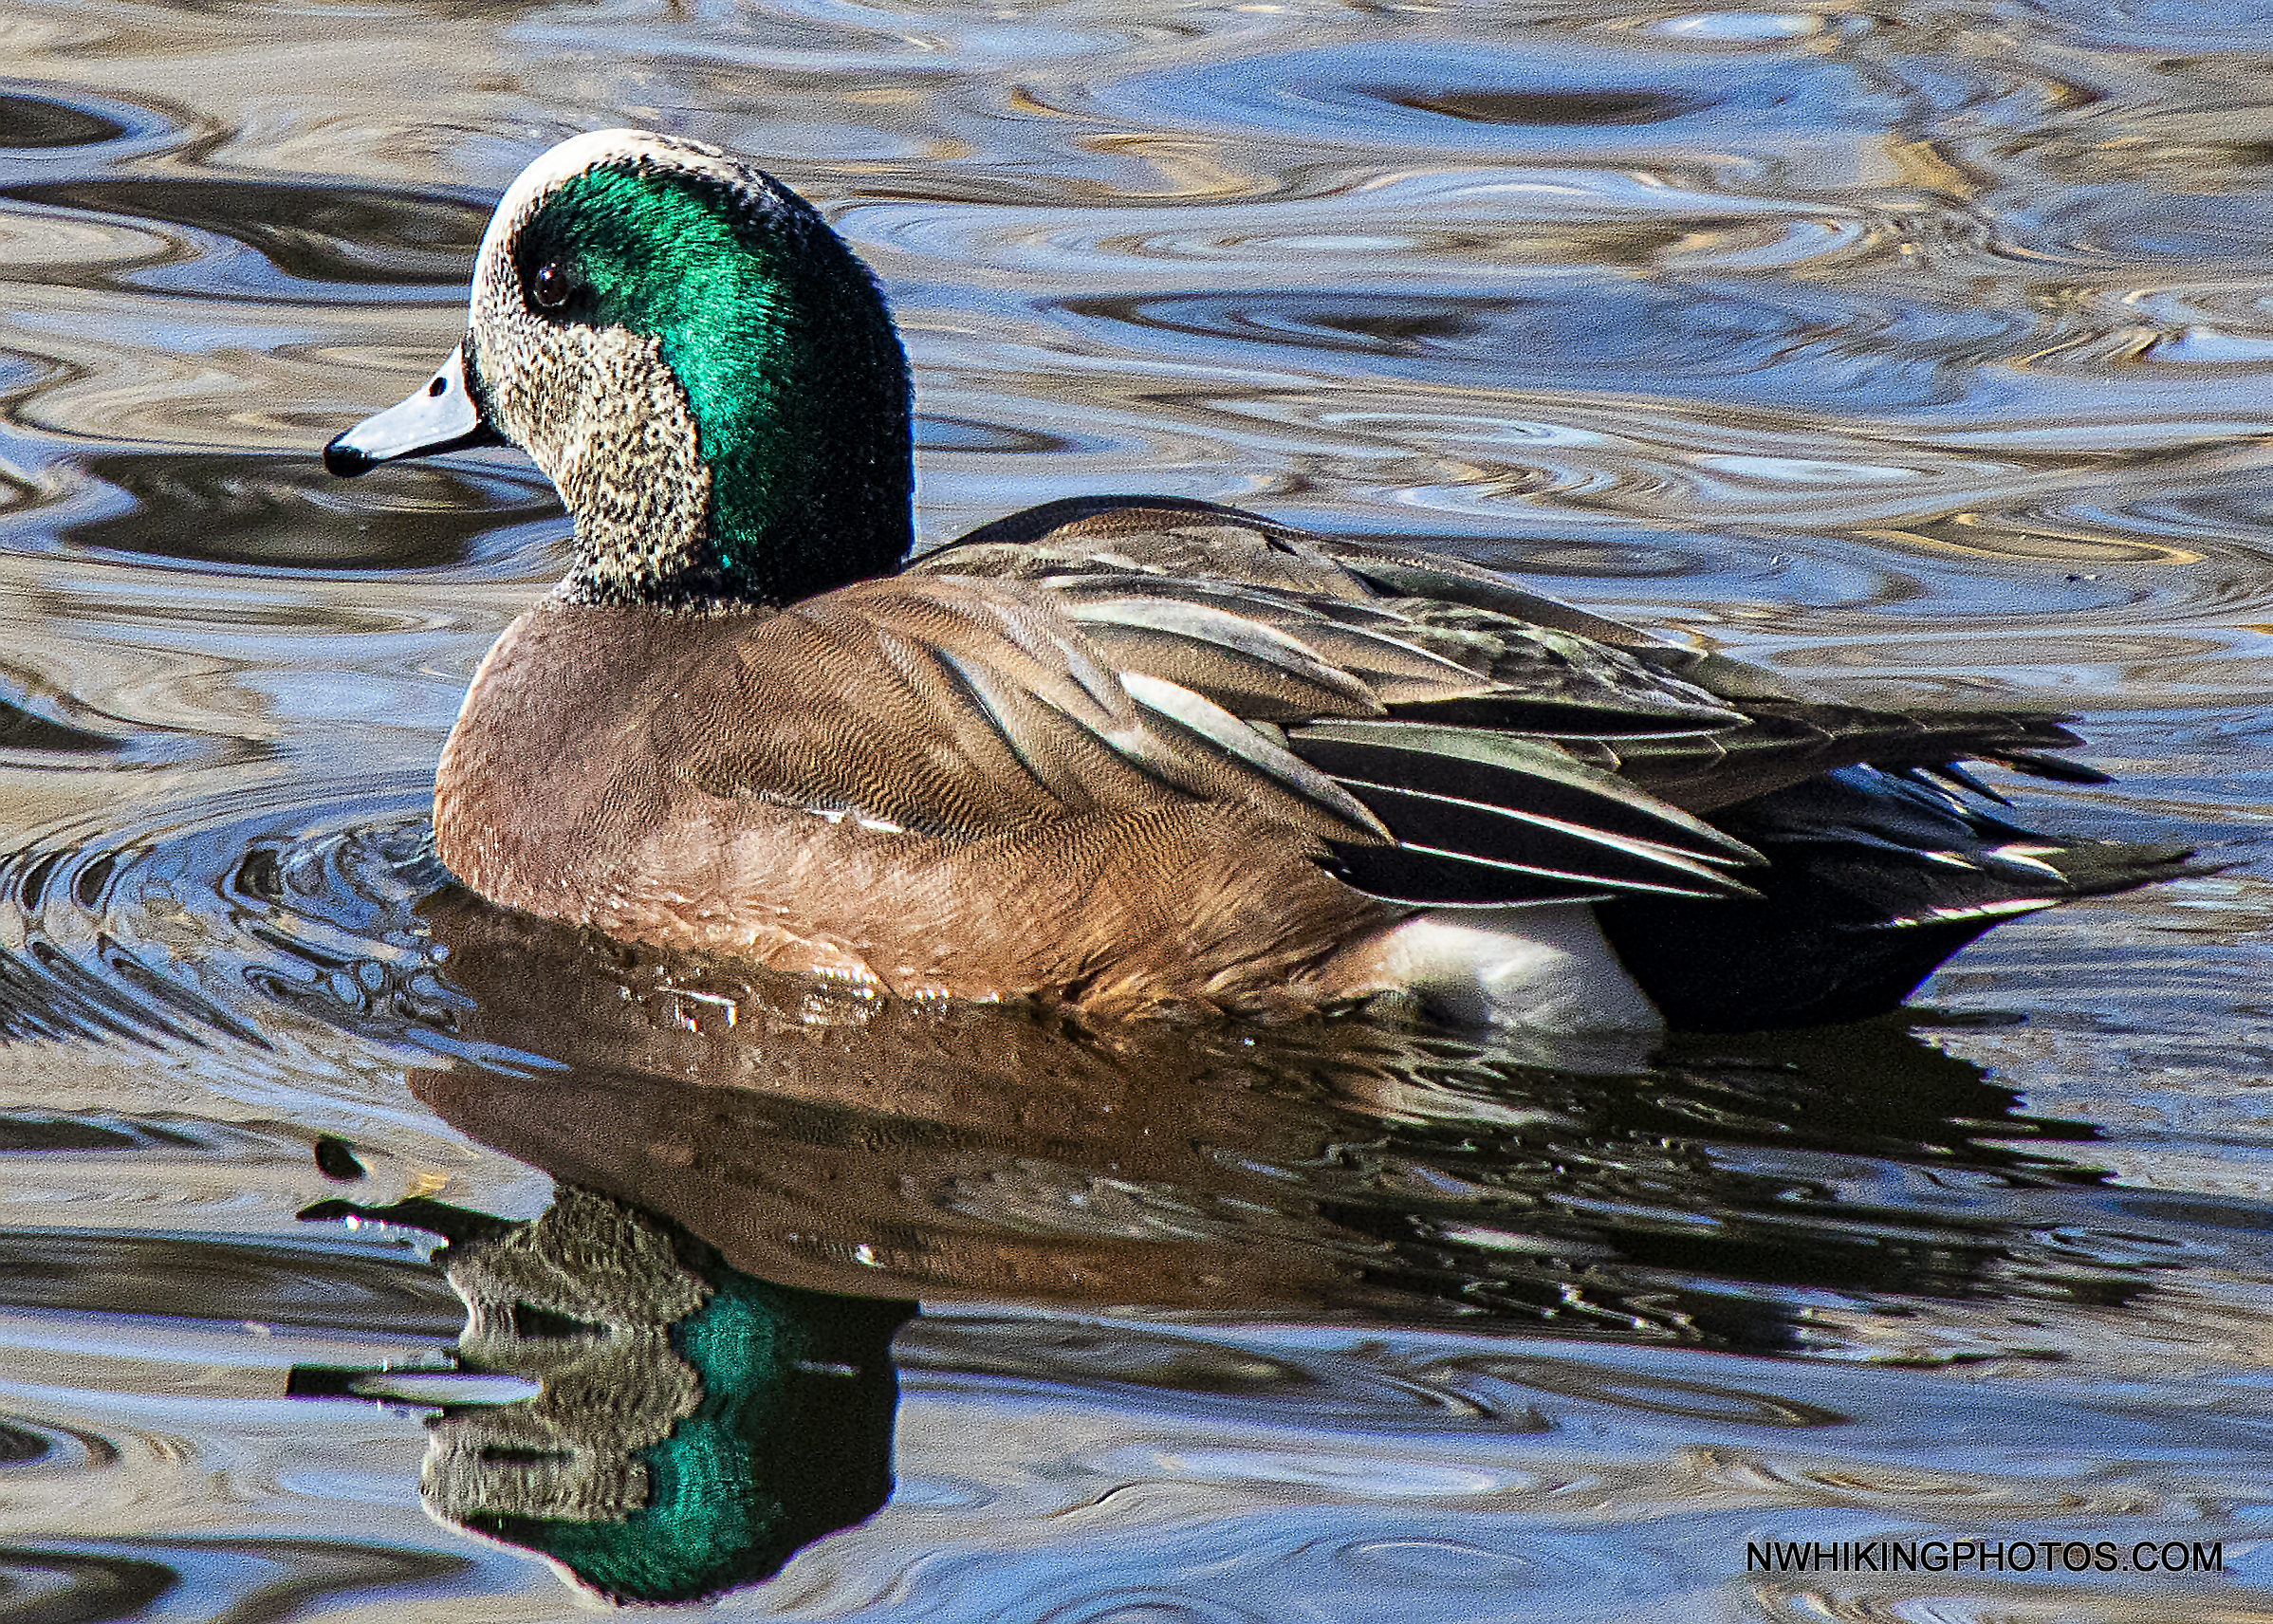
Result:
{"points": [[1276, 767], [1481, 831], [1509, 771], [1455, 737], [1058, 745], [1240, 662]]}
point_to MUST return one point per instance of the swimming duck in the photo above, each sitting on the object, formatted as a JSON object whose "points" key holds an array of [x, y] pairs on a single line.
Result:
{"points": [[1127, 753]]}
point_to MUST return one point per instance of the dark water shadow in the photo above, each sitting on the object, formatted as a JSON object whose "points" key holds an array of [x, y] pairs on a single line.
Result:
{"points": [[307, 240], [47, 123], [37, 122], [273, 513], [844, 1144]]}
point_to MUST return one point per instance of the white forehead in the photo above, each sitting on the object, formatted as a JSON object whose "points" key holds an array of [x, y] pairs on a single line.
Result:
{"points": [[573, 157]]}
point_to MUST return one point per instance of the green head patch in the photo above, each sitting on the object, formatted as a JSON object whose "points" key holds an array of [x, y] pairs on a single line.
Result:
{"points": [[780, 339]]}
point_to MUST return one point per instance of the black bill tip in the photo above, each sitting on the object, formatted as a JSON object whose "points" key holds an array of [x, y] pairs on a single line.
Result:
{"points": [[346, 461]]}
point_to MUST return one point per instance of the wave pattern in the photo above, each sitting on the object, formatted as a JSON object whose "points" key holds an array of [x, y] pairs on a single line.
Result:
{"points": [[1918, 349]]}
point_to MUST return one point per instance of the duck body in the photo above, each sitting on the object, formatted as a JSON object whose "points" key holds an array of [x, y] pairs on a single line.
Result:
{"points": [[1129, 752], [756, 788]]}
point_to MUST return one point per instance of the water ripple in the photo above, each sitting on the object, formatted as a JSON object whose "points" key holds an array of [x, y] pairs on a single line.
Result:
{"points": [[1728, 343], [1562, 99], [238, 240], [1442, 1180], [1920, 349]]}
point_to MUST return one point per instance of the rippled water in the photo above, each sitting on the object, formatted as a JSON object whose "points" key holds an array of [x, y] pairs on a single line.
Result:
{"points": [[1918, 349]]}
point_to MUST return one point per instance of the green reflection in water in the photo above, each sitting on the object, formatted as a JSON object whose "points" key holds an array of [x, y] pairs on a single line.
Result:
{"points": [[694, 1426]]}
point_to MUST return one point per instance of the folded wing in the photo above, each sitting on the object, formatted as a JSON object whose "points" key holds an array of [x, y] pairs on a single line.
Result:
{"points": [[1511, 748]]}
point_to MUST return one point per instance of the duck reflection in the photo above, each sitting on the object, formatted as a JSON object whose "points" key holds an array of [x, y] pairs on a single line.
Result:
{"points": [[758, 1176], [876, 1148], [692, 1426]]}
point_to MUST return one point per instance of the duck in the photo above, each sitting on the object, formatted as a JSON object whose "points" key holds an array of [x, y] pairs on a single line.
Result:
{"points": [[1119, 755]]}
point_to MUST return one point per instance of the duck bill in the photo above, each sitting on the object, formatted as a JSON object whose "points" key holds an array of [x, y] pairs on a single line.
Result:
{"points": [[442, 416]]}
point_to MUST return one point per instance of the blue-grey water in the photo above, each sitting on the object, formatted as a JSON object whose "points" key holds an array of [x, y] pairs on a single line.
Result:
{"points": [[1922, 349]]}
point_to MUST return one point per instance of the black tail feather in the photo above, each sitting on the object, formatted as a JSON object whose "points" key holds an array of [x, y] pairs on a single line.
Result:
{"points": [[2101, 868], [1752, 967], [1872, 882]]}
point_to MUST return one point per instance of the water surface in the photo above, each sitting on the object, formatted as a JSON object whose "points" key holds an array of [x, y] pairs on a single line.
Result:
{"points": [[1920, 350]]}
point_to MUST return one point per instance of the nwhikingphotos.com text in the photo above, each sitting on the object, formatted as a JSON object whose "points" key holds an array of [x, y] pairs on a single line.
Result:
{"points": [[1984, 1555]]}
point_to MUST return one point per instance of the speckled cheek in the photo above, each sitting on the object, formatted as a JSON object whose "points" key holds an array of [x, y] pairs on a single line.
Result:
{"points": [[600, 412]]}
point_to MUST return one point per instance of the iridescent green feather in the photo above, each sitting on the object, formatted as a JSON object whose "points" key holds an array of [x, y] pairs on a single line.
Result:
{"points": [[795, 378]]}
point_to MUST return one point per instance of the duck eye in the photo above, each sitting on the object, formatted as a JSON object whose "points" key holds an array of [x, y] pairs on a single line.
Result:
{"points": [[550, 287]]}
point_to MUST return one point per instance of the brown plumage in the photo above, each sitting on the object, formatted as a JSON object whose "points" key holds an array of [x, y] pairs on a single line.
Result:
{"points": [[798, 788], [940, 783], [1124, 751]]}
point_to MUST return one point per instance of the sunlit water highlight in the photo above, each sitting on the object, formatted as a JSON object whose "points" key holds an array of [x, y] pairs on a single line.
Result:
{"points": [[1920, 350]]}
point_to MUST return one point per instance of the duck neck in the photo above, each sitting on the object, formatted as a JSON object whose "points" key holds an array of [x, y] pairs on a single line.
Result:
{"points": [[811, 468], [809, 497], [774, 459]]}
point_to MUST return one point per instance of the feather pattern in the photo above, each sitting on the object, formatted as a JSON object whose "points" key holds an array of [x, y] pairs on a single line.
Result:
{"points": [[1117, 750], [1447, 752], [1516, 748], [998, 680]]}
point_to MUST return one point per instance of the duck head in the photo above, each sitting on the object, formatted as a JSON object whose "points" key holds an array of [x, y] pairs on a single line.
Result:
{"points": [[698, 363]]}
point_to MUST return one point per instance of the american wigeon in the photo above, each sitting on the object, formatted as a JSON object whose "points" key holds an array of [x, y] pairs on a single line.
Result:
{"points": [[1125, 751]]}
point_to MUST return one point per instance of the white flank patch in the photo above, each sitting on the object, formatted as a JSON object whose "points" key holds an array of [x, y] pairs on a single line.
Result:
{"points": [[1544, 969]]}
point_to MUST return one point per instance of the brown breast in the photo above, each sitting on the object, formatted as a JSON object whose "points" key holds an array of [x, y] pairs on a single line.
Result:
{"points": [[797, 788]]}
